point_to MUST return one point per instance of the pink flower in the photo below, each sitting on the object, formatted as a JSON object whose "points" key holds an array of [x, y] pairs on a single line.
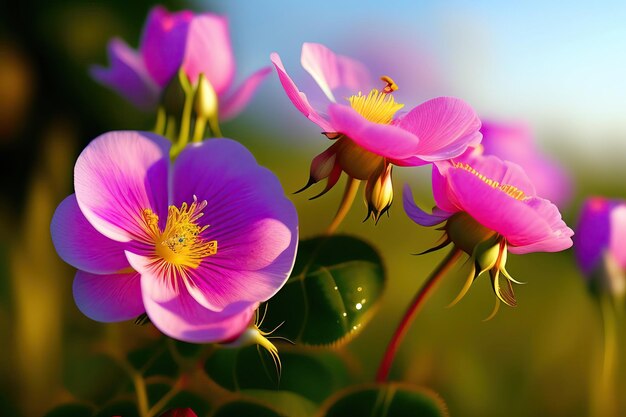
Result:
{"points": [[197, 43], [195, 244], [600, 243], [179, 412], [490, 208], [515, 143], [367, 134]]}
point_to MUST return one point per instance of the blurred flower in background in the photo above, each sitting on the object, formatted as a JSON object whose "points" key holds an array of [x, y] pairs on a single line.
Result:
{"points": [[197, 43]]}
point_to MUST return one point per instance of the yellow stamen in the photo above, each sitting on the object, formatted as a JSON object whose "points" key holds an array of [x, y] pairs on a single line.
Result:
{"points": [[510, 190], [179, 245], [377, 106]]}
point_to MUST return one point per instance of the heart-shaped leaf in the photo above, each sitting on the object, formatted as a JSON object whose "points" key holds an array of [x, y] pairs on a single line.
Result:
{"points": [[95, 378], [388, 400], [333, 290]]}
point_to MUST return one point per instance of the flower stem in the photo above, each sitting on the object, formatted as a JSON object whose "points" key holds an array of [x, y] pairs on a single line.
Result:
{"points": [[411, 312], [159, 127], [159, 405], [604, 392], [352, 187], [214, 124], [198, 129], [142, 394]]}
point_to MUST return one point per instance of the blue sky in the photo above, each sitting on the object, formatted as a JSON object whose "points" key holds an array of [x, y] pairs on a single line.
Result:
{"points": [[558, 65]]}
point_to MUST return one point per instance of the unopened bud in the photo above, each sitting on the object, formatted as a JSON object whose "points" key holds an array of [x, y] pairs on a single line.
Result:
{"points": [[205, 102], [379, 193]]}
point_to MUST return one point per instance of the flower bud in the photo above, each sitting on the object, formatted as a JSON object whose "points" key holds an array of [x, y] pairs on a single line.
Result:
{"points": [[379, 193], [205, 102], [466, 233]]}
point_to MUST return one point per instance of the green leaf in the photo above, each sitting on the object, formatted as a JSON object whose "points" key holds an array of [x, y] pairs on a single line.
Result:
{"points": [[314, 376], [96, 378], [246, 408], [155, 359], [333, 290], [388, 400], [71, 410], [287, 403], [124, 408]]}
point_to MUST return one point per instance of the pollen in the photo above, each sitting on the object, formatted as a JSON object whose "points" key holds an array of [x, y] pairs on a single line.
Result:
{"points": [[180, 244], [510, 190], [377, 106]]}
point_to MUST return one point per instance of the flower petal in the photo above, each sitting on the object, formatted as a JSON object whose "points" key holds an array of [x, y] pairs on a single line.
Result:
{"points": [[617, 244], [593, 233], [232, 105], [418, 215], [108, 298], [445, 126], [208, 51], [385, 140], [297, 97], [163, 43], [176, 313], [117, 176], [80, 245], [255, 225], [332, 71], [127, 75]]}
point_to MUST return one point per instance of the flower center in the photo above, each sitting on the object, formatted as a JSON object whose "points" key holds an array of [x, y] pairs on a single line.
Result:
{"points": [[377, 106], [510, 190], [180, 244]]}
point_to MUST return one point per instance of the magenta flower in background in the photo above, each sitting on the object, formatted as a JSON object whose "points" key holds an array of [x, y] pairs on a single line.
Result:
{"points": [[490, 208], [600, 242], [514, 142], [195, 244], [197, 43], [367, 134], [179, 412]]}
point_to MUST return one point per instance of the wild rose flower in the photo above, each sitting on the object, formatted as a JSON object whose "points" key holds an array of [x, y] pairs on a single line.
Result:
{"points": [[600, 243], [197, 43], [514, 142], [367, 135], [490, 208], [195, 244]]}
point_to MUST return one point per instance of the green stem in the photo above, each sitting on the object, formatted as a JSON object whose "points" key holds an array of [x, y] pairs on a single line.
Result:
{"points": [[160, 405], [214, 124], [185, 122], [411, 313], [170, 128], [159, 127], [352, 186], [198, 129], [605, 399]]}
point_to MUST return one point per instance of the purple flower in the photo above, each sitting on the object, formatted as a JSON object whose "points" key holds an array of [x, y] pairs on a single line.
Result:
{"points": [[515, 143], [196, 244], [600, 241], [197, 43]]}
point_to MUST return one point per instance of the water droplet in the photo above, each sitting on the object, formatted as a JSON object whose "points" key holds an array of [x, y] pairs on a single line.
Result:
{"points": [[359, 306], [359, 289], [335, 288], [344, 314]]}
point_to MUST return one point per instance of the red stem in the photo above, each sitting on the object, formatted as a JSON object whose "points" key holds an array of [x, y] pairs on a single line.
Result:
{"points": [[411, 312]]}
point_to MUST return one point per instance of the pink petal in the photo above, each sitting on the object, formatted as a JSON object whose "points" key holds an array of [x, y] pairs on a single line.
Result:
{"points": [[297, 97], [127, 75], [443, 199], [108, 298], [418, 215], [163, 43], [208, 51], [232, 105], [176, 313], [445, 126], [253, 222], [80, 245], [117, 176], [617, 244], [386, 140], [332, 71]]}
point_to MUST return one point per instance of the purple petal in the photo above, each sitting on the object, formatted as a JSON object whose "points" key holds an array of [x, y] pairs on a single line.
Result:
{"points": [[174, 311], [163, 43], [297, 97], [80, 245], [593, 233], [232, 105], [128, 76], [253, 222], [108, 298], [117, 176], [445, 126], [208, 51], [332, 71], [386, 140], [418, 215]]}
